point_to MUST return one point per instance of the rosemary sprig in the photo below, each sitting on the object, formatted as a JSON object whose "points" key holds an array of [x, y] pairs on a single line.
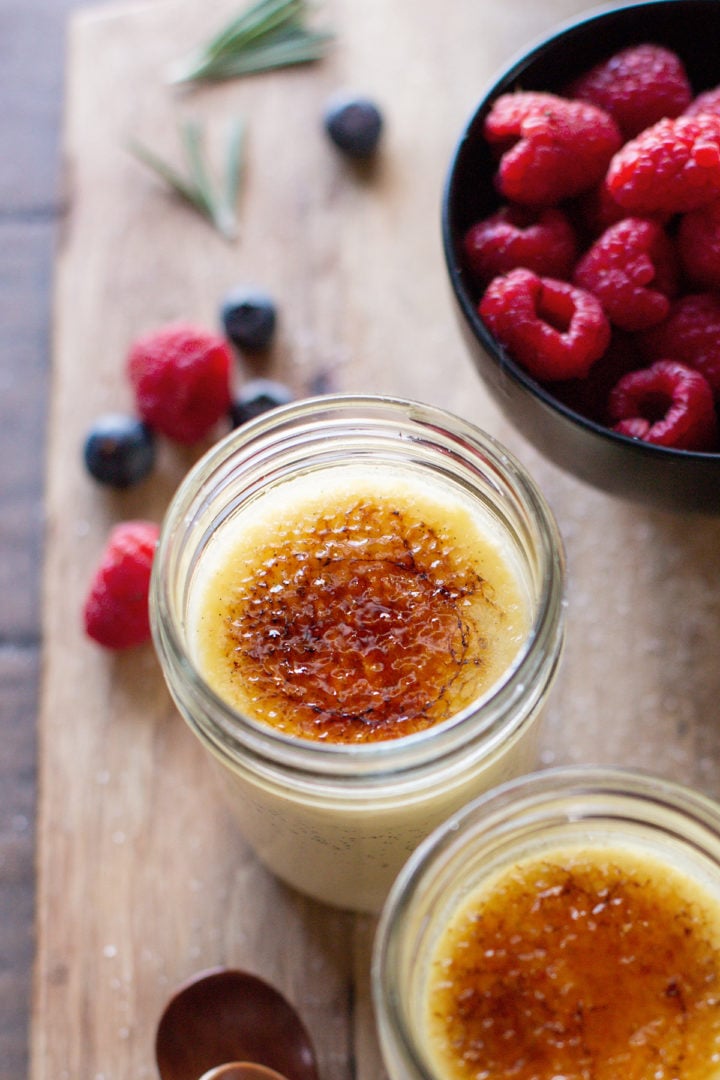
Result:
{"points": [[268, 34], [215, 201]]}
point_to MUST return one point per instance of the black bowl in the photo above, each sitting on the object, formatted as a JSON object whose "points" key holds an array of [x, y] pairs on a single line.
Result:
{"points": [[677, 480]]}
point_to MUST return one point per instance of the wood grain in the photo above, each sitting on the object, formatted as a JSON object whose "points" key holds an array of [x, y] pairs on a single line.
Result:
{"points": [[30, 203], [18, 678], [142, 878]]}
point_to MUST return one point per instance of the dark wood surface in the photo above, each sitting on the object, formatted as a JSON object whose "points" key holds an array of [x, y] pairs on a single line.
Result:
{"points": [[32, 55]]}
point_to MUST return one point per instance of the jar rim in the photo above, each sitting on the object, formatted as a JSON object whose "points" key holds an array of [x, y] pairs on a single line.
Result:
{"points": [[259, 437]]}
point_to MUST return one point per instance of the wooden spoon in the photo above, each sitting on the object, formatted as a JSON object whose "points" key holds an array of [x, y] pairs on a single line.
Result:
{"points": [[242, 1070], [225, 1019]]}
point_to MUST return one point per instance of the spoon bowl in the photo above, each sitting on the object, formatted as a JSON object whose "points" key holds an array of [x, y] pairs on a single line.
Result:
{"points": [[232, 1017], [242, 1070]]}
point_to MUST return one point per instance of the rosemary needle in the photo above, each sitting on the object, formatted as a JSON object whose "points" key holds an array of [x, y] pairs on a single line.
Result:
{"points": [[268, 34], [216, 201]]}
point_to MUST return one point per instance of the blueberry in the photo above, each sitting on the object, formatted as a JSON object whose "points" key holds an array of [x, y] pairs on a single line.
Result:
{"points": [[354, 125], [249, 317], [256, 397], [119, 450]]}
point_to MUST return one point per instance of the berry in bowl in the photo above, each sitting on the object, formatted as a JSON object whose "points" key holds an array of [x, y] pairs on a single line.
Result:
{"points": [[581, 226]]}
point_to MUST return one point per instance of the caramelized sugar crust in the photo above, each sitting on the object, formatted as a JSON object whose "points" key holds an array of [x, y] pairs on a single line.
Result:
{"points": [[589, 969], [361, 623]]}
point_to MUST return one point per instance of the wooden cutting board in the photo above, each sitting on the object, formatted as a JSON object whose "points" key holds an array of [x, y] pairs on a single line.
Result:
{"points": [[142, 878]]}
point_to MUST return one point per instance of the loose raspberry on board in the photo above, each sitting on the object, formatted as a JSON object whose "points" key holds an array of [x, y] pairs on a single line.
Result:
{"points": [[632, 270], [551, 148], [637, 86], [671, 167], [668, 404], [543, 241], [180, 374], [116, 607], [552, 328]]}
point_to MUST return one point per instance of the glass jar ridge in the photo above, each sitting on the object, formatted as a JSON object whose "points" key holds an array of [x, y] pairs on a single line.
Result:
{"points": [[331, 786]]}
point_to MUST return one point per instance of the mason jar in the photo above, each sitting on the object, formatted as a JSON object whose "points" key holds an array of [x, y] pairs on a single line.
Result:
{"points": [[337, 820], [566, 923]]}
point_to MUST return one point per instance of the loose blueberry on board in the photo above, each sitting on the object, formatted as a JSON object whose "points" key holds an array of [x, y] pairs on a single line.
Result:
{"points": [[248, 318], [119, 450], [256, 397], [354, 125]]}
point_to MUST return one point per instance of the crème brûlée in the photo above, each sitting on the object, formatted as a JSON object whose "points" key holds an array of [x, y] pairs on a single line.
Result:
{"points": [[357, 604], [596, 963]]}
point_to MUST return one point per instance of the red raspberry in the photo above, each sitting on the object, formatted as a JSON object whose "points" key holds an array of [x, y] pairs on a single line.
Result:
{"points": [[181, 377], [595, 211], [671, 167], [637, 86], [557, 148], [698, 245], [631, 269], [667, 404], [116, 608], [542, 241], [707, 102], [634, 427], [555, 330], [589, 396], [690, 334]]}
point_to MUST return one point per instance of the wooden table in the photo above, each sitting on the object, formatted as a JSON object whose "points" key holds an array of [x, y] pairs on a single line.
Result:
{"points": [[31, 205], [142, 879]]}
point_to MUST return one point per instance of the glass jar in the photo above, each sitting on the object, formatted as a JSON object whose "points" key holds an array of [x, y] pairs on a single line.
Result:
{"points": [[338, 821], [644, 829]]}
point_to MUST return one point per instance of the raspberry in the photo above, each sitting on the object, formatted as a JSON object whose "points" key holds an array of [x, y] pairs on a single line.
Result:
{"points": [[589, 396], [637, 86], [698, 245], [635, 427], [116, 608], [542, 241], [691, 335], [595, 211], [707, 102], [671, 167], [667, 404], [181, 377], [552, 148], [555, 330], [631, 269]]}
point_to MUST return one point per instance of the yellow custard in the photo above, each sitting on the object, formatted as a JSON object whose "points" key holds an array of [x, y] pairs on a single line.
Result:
{"points": [[581, 964], [356, 605]]}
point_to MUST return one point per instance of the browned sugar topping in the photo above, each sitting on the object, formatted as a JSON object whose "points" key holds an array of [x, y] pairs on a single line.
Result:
{"points": [[582, 972], [364, 626]]}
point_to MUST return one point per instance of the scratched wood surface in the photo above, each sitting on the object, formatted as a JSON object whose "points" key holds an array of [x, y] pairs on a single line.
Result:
{"points": [[143, 880]]}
